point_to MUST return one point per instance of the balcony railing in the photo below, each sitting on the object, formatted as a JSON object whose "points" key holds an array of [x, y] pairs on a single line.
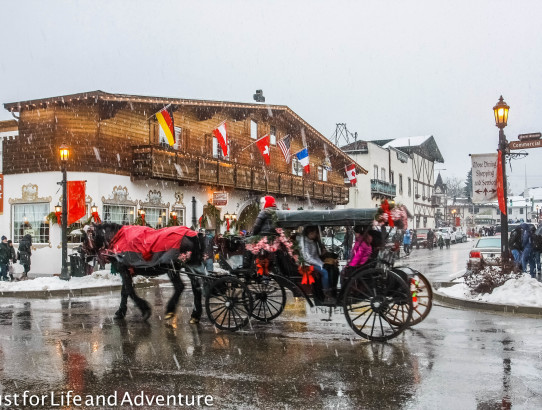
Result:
{"points": [[383, 188], [149, 161]]}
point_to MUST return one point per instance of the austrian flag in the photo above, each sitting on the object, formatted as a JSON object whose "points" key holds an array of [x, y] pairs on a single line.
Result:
{"points": [[303, 158], [221, 135], [351, 174]]}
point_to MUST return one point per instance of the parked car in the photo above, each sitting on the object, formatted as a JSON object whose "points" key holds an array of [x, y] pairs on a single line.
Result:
{"points": [[486, 249], [421, 237], [460, 235], [511, 227]]}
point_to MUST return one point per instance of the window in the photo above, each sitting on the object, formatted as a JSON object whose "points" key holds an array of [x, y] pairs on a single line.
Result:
{"points": [[120, 214], [375, 172], [322, 174], [273, 135], [423, 191], [416, 190], [297, 168], [162, 140], [181, 212], [400, 184], [392, 177], [156, 217], [477, 209], [253, 130], [409, 187], [31, 219], [521, 211], [383, 174], [217, 150]]}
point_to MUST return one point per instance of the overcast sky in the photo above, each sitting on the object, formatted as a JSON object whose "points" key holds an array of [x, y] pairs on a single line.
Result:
{"points": [[388, 69]]}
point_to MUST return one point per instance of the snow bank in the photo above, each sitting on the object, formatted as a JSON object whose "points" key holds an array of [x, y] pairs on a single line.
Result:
{"points": [[97, 279], [525, 291]]}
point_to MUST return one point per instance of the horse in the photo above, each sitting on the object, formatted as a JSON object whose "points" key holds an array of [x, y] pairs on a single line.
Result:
{"points": [[139, 250]]}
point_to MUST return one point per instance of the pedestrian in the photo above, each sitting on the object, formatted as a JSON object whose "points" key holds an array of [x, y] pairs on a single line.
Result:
{"points": [[13, 259], [5, 255], [527, 255], [515, 244], [415, 239], [407, 239], [25, 252], [430, 238], [265, 224]]}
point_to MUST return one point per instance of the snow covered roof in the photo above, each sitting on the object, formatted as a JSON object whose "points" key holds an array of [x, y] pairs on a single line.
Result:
{"points": [[407, 141]]}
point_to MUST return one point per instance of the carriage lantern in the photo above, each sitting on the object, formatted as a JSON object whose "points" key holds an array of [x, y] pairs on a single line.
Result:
{"points": [[58, 209]]}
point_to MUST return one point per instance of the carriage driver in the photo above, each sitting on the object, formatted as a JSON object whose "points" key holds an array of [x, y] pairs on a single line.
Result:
{"points": [[264, 224], [310, 248]]}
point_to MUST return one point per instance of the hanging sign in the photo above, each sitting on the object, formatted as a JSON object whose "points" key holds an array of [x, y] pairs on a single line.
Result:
{"points": [[532, 136], [220, 198], [484, 178]]}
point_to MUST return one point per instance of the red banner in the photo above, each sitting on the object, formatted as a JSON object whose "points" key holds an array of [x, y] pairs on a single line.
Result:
{"points": [[500, 186], [76, 201]]}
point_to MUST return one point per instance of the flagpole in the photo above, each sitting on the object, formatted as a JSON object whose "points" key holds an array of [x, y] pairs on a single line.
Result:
{"points": [[165, 108], [254, 142]]}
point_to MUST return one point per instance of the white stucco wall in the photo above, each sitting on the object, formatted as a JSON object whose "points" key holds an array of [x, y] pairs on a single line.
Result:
{"points": [[46, 258]]}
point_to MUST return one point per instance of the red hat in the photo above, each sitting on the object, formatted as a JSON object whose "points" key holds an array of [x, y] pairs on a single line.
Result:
{"points": [[269, 201]]}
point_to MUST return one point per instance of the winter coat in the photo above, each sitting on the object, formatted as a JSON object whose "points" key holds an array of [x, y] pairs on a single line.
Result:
{"points": [[407, 238], [5, 253], [526, 241], [13, 256], [264, 224], [360, 253], [25, 250]]}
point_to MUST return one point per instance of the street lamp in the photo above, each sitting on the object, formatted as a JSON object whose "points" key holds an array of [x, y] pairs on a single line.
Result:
{"points": [[501, 118], [64, 152]]}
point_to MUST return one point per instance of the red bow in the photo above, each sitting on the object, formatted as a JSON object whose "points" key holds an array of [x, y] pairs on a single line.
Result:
{"points": [[386, 209], [306, 273], [96, 217], [58, 217], [263, 266]]}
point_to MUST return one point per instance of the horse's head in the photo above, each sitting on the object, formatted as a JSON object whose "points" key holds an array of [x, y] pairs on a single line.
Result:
{"points": [[97, 237]]}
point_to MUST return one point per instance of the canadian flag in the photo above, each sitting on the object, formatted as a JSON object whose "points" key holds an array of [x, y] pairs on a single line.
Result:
{"points": [[221, 135], [351, 174], [263, 145]]}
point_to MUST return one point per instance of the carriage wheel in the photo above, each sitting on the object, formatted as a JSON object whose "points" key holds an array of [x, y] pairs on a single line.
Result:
{"points": [[424, 294], [372, 297], [228, 303], [269, 298]]}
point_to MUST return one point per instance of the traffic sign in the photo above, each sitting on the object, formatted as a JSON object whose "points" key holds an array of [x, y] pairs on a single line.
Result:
{"points": [[525, 144], [532, 136]]}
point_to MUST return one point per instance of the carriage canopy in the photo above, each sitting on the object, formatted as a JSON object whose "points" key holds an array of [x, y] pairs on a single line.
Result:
{"points": [[331, 217]]}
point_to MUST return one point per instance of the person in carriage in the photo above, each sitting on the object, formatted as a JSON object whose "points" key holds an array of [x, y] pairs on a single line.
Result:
{"points": [[265, 224], [311, 250]]}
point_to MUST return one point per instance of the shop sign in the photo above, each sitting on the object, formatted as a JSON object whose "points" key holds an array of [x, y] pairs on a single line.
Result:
{"points": [[220, 198]]}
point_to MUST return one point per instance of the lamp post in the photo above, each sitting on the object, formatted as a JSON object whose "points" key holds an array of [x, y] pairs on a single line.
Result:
{"points": [[64, 152], [501, 118]]}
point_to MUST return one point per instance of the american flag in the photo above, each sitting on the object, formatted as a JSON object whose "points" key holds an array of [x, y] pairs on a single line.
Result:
{"points": [[284, 145]]}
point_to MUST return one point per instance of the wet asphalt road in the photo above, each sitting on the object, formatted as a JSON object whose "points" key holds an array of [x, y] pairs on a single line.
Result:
{"points": [[455, 359]]}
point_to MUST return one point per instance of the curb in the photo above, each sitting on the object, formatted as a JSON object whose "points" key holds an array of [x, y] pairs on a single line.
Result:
{"points": [[58, 293], [471, 304]]}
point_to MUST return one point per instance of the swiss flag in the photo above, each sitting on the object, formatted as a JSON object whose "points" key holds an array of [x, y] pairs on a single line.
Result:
{"points": [[221, 135], [263, 145], [351, 174]]}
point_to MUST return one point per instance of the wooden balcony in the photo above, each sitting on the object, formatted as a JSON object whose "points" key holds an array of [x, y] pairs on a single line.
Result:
{"points": [[149, 161]]}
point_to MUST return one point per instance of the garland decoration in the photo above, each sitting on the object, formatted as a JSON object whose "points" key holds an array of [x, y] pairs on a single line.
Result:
{"points": [[392, 215]]}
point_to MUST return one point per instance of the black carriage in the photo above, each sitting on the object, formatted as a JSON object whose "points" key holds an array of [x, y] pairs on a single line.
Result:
{"points": [[379, 300]]}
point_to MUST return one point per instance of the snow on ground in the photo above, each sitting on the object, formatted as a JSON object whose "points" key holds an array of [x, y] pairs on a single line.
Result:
{"points": [[525, 291], [97, 279]]}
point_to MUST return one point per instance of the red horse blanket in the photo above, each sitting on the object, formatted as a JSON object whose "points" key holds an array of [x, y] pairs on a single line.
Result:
{"points": [[147, 241]]}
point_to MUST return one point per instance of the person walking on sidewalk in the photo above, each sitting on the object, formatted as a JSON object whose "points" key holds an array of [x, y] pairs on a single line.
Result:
{"points": [[406, 241], [25, 251], [13, 259], [5, 255]]}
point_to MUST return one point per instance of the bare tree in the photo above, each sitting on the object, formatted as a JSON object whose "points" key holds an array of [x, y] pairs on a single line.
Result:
{"points": [[455, 186]]}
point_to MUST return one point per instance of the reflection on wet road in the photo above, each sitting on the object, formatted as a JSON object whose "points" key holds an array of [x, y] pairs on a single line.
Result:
{"points": [[454, 359]]}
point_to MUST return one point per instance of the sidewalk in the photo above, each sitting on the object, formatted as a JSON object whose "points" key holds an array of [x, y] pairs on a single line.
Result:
{"points": [[40, 286]]}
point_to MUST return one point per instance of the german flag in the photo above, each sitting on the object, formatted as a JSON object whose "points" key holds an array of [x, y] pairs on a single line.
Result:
{"points": [[165, 118]]}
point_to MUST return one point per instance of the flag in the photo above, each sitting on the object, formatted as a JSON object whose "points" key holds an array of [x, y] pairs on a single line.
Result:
{"points": [[351, 174], [263, 145], [221, 135], [76, 201], [303, 157], [165, 118], [284, 145], [500, 185]]}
